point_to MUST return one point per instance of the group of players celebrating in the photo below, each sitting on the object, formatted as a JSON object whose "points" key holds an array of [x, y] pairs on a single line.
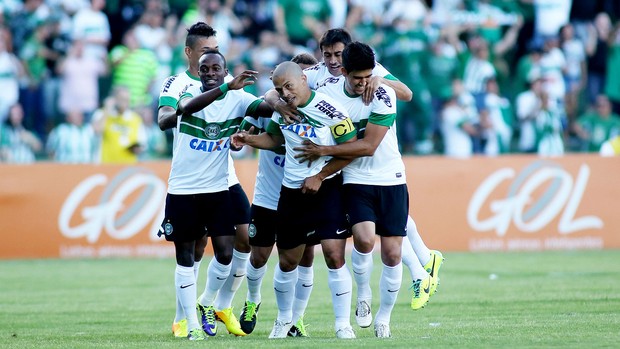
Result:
{"points": [[329, 168]]}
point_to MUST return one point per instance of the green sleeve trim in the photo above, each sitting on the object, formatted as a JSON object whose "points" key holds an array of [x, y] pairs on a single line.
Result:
{"points": [[251, 110], [391, 77], [382, 119], [346, 137], [274, 129], [167, 101]]}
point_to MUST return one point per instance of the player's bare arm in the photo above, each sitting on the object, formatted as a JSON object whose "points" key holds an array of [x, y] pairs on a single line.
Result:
{"points": [[194, 104], [350, 150], [289, 113], [166, 117], [264, 140], [312, 184], [403, 93]]}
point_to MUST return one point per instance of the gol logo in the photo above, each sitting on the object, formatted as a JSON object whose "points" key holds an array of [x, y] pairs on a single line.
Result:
{"points": [[563, 195], [105, 214]]}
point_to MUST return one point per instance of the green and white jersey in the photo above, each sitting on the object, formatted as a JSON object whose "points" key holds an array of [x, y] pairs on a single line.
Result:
{"points": [[270, 169], [200, 155], [319, 75], [324, 122], [169, 94], [386, 166]]}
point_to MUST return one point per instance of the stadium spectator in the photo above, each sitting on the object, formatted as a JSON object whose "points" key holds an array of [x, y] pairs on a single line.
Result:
{"points": [[134, 68], [57, 45], [79, 86], [120, 128], [457, 125], [302, 22], [497, 115], [612, 83], [156, 145], [550, 141], [598, 126], [527, 108], [575, 69], [17, 144], [597, 47], [90, 25], [11, 70], [72, 142]]}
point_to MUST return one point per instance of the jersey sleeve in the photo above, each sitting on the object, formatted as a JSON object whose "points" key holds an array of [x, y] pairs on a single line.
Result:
{"points": [[168, 97], [380, 70], [383, 107], [312, 74], [273, 127]]}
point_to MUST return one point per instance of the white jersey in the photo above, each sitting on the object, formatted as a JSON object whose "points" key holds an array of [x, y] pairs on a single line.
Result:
{"points": [[200, 156], [324, 122], [386, 166], [270, 171], [457, 142], [171, 90], [319, 75]]}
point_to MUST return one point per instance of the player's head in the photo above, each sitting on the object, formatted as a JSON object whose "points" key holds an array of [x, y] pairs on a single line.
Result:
{"points": [[304, 60], [358, 61], [212, 69], [332, 43], [291, 83], [200, 37]]}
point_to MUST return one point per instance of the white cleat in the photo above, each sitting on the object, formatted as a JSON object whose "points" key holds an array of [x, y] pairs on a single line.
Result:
{"points": [[280, 329], [363, 314], [382, 330], [345, 333]]}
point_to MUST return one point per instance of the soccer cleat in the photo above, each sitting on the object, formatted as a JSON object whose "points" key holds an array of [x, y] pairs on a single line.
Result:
{"points": [[432, 268], [179, 329], [382, 330], [363, 314], [280, 329], [421, 293], [196, 334], [345, 333], [207, 318], [248, 316], [299, 329], [229, 319]]}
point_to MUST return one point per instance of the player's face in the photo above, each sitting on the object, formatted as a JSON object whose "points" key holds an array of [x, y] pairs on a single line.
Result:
{"points": [[356, 81], [211, 71], [200, 46], [292, 89], [332, 56]]}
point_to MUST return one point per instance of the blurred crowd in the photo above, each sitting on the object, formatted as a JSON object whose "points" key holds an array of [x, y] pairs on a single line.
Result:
{"points": [[488, 76]]}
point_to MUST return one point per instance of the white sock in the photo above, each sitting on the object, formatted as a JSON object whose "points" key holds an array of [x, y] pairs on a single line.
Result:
{"points": [[423, 253], [233, 282], [303, 289], [216, 276], [185, 285], [197, 268], [341, 286], [411, 261], [284, 288], [362, 268], [255, 281], [389, 285]]}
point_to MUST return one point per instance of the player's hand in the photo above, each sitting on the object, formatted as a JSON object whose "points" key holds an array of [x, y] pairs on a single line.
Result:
{"points": [[239, 139], [311, 185], [290, 114], [369, 91], [309, 152], [245, 78]]}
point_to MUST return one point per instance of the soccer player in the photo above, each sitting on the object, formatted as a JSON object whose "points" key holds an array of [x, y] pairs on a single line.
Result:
{"points": [[310, 200], [376, 195], [198, 201], [262, 229], [424, 262], [200, 38]]}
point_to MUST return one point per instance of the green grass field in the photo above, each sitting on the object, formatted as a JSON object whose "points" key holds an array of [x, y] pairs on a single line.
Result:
{"points": [[551, 299]]}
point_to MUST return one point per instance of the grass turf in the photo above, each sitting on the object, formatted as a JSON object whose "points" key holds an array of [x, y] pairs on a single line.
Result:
{"points": [[507, 300]]}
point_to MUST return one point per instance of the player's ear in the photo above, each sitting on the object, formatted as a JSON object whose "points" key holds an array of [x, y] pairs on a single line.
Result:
{"points": [[188, 51], [344, 71]]}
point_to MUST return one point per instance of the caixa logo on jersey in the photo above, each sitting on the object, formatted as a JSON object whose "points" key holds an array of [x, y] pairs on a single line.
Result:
{"points": [[121, 206], [536, 196]]}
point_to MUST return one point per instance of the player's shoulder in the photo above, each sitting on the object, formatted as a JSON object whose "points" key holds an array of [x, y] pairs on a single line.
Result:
{"points": [[386, 95], [316, 67]]}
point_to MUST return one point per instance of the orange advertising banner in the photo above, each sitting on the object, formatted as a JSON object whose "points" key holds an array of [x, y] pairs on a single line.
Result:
{"points": [[502, 204]]}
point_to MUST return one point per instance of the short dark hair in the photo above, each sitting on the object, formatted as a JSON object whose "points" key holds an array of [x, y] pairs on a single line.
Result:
{"points": [[215, 52], [304, 58], [358, 56], [334, 36], [198, 30]]}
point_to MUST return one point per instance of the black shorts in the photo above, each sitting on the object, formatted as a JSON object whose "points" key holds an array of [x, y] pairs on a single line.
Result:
{"points": [[387, 206], [240, 205], [262, 230], [307, 219], [190, 217]]}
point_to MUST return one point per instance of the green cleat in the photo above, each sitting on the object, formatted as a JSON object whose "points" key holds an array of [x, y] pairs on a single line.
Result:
{"points": [[196, 334], [229, 319], [421, 293], [432, 268], [179, 329], [299, 329], [248, 316]]}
